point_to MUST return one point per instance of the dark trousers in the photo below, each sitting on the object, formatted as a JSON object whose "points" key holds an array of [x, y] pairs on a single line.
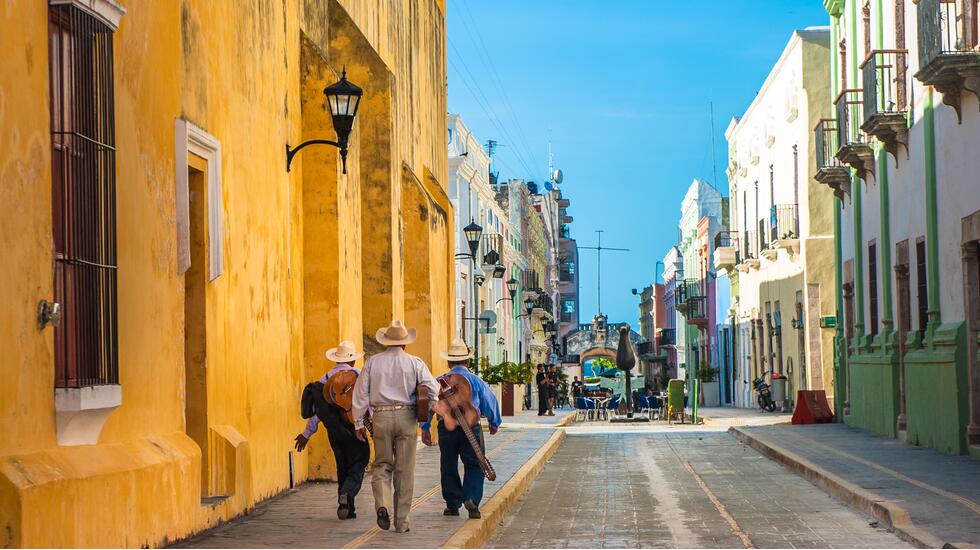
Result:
{"points": [[453, 447], [351, 454], [543, 393]]}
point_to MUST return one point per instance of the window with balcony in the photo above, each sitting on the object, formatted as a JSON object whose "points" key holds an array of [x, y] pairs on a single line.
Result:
{"points": [[948, 54]]}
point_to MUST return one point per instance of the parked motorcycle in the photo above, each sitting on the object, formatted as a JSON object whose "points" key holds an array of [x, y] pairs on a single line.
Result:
{"points": [[765, 394]]}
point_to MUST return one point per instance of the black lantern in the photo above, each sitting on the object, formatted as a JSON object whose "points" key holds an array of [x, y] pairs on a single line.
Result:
{"points": [[512, 287], [473, 233], [479, 277], [528, 304], [343, 99], [499, 271]]}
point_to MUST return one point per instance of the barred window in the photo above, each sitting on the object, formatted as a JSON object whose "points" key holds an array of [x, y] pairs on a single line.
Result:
{"points": [[83, 174]]}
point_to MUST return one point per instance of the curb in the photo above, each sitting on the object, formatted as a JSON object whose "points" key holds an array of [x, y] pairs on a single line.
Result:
{"points": [[887, 512], [473, 535]]}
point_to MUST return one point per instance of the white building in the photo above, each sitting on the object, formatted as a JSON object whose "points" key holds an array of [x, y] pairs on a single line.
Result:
{"points": [[779, 252]]}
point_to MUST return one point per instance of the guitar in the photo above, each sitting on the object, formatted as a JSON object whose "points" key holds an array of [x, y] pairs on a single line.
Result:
{"points": [[455, 408], [339, 391]]}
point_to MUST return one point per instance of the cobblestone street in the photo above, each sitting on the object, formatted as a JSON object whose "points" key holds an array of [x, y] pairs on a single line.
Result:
{"points": [[664, 487]]}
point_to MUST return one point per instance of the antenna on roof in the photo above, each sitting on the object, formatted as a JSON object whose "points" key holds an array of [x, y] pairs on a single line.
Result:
{"points": [[714, 164], [492, 146]]}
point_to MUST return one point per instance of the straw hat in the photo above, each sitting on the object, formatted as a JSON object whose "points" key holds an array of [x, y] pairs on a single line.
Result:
{"points": [[458, 351], [344, 353], [395, 334]]}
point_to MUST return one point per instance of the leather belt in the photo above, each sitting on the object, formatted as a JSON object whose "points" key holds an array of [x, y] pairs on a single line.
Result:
{"points": [[383, 408]]}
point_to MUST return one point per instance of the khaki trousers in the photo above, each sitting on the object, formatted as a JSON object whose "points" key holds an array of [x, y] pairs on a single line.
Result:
{"points": [[395, 441]]}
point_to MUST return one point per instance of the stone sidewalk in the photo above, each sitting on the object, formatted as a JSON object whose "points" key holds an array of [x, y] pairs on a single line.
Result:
{"points": [[306, 516], [928, 497]]}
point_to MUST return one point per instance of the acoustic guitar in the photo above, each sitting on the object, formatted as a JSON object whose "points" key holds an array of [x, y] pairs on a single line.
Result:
{"points": [[455, 408], [339, 391]]}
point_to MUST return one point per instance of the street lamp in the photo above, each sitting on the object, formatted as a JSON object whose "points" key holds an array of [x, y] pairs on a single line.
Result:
{"points": [[512, 286], [473, 233], [529, 304], [479, 278], [343, 99]]}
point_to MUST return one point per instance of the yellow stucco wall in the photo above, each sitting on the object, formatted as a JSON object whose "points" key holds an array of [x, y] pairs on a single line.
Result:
{"points": [[304, 265]]}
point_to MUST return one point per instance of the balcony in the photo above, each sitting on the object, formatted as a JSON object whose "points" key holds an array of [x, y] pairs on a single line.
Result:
{"points": [[784, 223], [685, 293], [645, 348], [885, 75], [748, 256], [697, 311], [830, 171], [726, 250], [855, 145], [667, 337], [948, 55]]}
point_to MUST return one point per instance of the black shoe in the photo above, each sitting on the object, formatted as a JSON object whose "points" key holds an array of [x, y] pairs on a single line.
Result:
{"points": [[344, 510], [450, 511], [473, 509], [384, 521]]}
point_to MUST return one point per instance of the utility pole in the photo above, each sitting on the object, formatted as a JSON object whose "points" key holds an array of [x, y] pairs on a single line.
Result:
{"points": [[598, 276]]}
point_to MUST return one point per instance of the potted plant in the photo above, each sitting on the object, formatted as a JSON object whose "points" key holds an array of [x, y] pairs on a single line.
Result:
{"points": [[709, 387]]}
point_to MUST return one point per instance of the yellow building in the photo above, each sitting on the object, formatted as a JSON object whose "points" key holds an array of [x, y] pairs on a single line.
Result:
{"points": [[145, 190]]}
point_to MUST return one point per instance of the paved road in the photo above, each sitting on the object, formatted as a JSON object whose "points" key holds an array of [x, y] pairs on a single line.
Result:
{"points": [[680, 488]]}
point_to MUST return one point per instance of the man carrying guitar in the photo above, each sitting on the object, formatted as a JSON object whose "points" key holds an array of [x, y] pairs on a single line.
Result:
{"points": [[457, 439], [352, 454], [393, 385]]}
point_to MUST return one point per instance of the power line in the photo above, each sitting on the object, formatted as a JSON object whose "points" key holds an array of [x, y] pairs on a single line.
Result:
{"points": [[475, 31], [487, 106]]}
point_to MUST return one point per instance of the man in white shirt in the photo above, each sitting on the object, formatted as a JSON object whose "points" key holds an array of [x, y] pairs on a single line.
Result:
{"points": [[388, 388]]}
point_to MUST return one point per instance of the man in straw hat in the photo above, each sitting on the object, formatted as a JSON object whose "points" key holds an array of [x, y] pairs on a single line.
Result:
{"points": [[453, 445], [388, 387], [351, 454]]}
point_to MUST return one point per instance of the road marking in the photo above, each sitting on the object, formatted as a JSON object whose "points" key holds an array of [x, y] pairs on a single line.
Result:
{"points": [[422, 499], [921, 484], [742, 535]]}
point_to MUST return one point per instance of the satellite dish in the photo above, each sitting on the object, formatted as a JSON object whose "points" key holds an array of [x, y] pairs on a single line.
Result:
{"points": [[548, 186], [557, 176], [489, 317]]}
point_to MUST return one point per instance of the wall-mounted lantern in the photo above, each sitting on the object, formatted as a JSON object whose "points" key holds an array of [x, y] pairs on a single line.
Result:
{"points": [[343, 98]]}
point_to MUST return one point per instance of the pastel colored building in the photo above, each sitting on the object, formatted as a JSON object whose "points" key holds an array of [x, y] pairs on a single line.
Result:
{"points": [[897, 145], [778, 253]]}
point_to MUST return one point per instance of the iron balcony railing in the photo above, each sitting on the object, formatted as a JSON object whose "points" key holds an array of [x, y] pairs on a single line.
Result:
{"points": [[885, 78], [546, 303], [749, 248], [849, 115], [645, 348], [826, 142], [667, 337], [697, 308], [946, 27], [784, 222], [726, 239], [567, 317]]}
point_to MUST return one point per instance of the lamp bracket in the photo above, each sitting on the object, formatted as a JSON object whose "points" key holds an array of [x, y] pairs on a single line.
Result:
{"points": [[291, 152]]}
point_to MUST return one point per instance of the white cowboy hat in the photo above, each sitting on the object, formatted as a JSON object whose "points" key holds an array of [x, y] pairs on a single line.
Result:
{"points": [[344, 353], [458, 351], [395, 334]]}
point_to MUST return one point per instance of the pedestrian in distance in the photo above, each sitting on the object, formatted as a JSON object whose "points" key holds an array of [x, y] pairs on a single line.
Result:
{"points": [[541, 379], [350, 453], [552, 376], [454, 446], [388, 387]]}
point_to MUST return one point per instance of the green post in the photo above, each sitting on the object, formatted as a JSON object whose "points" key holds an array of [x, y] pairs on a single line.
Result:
{"points": [[932, 216], [886, 246], [694, 406], [856, 190]]}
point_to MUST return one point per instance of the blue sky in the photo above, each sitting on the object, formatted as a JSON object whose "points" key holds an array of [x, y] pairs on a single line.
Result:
{"points": [[622, 91]]}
